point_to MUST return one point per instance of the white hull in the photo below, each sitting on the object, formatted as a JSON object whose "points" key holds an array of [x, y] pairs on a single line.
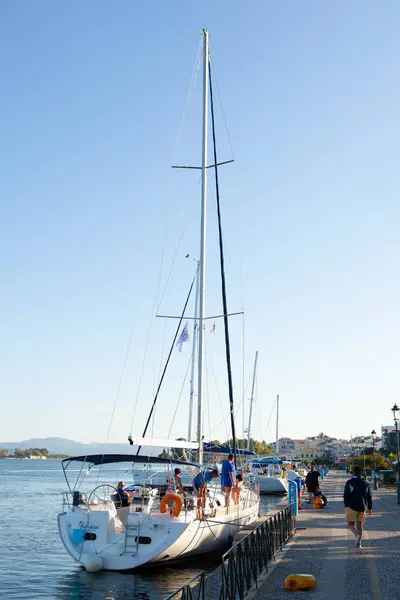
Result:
{"points": [[161, 536], [271, 485]]}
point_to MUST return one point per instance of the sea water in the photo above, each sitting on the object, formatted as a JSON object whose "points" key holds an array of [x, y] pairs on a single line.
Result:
{"points": [[35, 564]]}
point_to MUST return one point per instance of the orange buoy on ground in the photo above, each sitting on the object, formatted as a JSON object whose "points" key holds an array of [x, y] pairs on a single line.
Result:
{"points": [[318, 503], [300, 582]]}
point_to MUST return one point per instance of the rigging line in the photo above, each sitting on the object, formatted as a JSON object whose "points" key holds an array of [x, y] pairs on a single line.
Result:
{"points": [[224, 301], [128, 349], [189, 213], [209, 352], [144, 360], [157, 296], [208, 392], [257, 407], [154, 312], [167, 362], [244, 392], [270, 416], [180, 396], [222, 411], [162, 349], [243, 375], [183, 119], [227, 416], [222, 108], [189, 94]]}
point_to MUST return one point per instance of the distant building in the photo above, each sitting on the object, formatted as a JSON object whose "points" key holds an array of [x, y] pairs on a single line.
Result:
{"points": [[286, 447], [310, 453], [298, 445], [389, 438]]}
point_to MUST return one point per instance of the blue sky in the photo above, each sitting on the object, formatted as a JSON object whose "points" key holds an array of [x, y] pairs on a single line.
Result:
{"points": [[92, 219]]}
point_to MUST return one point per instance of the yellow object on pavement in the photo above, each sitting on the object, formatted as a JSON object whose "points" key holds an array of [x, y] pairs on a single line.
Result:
{"points": [[300, 582], [318, 503]]}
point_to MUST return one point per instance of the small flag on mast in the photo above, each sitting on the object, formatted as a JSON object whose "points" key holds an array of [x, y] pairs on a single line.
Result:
{"points": [[183, 337], [212, 330]]}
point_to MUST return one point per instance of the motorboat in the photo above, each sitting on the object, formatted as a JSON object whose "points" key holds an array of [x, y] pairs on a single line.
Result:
{"points": [[267, 475]]}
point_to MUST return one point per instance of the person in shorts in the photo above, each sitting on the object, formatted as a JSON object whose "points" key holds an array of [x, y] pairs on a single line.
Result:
{"points": [[228, 478], [357, 501], [175, 483], [236, 489], [200, 487], [312, 482]]}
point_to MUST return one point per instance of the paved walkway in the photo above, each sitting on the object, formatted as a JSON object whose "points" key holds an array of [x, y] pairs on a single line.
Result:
{"points": [[325, 548]]}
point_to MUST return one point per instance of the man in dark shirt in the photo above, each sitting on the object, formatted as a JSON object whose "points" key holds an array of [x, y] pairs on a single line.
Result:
{"points": [[312, 482], [357, 498]]}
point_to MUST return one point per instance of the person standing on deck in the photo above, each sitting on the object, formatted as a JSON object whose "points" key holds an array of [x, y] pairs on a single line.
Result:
{"points": [[357, 498], [200, 487], [312, 483], [175, 483], [228, 478]]}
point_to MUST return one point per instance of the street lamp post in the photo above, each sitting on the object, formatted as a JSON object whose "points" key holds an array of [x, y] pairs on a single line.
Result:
{"points": [[373, 434], [395, 410], [363, 450]]}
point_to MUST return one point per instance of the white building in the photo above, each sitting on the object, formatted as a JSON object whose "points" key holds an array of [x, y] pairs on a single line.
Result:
{"points": [[286, 447], [310, 453]]}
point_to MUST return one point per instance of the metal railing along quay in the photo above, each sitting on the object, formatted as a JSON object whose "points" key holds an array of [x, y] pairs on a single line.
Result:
{"points": [[243, 564], [247, 559], [191, 590]]}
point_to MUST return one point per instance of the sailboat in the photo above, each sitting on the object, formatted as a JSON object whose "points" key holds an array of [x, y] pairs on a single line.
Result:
{"points": [[97, 530], [266, 473]]}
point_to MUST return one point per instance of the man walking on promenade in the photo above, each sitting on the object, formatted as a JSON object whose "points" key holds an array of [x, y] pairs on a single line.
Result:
{"points": [[357, 498]]}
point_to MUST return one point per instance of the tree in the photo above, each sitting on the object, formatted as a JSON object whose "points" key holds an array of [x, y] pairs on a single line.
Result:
{"points": [[165, 454], [255, 445], [3, 453], [370, 461], [262, 447]]}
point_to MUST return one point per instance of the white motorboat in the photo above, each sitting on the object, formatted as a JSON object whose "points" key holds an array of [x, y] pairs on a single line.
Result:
{"points": [[267, 476], [156, 527], [271, 484]]}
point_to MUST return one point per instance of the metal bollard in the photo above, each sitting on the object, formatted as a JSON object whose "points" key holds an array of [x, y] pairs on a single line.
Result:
{"points": [[293, 497]]}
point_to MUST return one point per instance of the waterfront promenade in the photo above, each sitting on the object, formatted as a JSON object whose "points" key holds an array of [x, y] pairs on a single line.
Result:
{"points": [[325, 549]]}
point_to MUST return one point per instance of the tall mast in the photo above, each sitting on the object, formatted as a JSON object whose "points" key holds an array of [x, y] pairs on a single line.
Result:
{"points": [[202, 247], [277, 425], [252, 400], [196, 305]]}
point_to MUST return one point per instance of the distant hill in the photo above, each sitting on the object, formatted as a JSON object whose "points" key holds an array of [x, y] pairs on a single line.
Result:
{"points": [[57, 445]]}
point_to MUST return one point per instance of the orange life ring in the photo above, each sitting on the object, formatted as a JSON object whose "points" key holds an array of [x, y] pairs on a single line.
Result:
{"points": [[176, 511]]}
